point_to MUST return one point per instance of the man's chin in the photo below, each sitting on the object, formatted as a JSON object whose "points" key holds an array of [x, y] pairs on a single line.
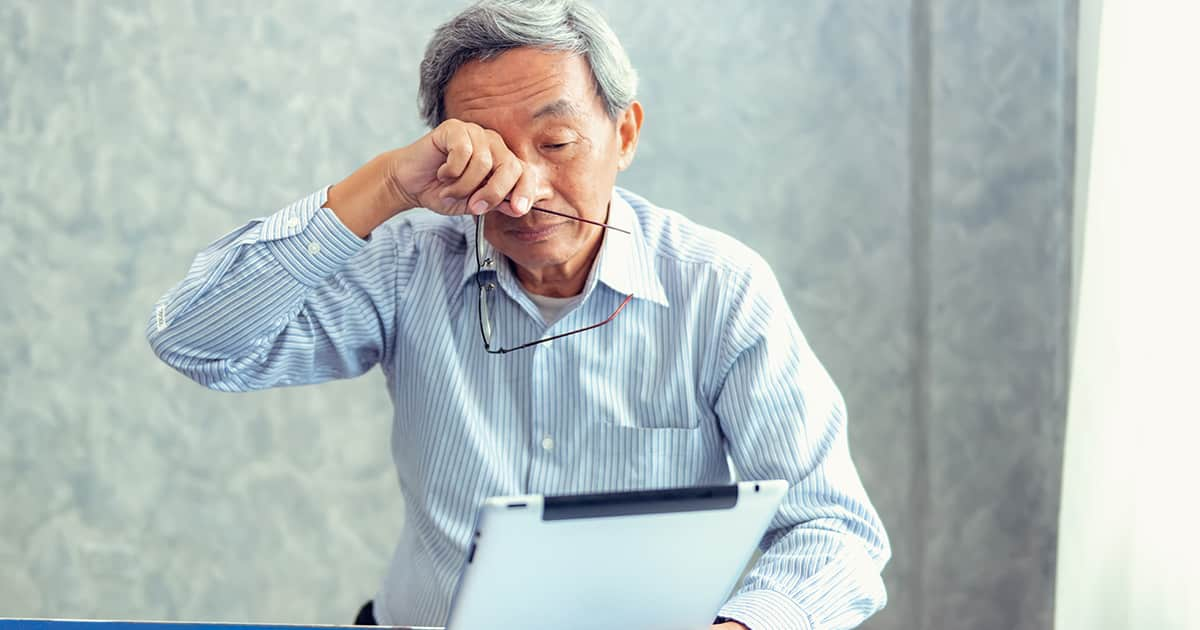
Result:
{"points": [[532, 261]]}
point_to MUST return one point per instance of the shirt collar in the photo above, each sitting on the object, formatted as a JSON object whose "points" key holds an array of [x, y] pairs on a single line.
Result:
{"points": [[625, 263]]}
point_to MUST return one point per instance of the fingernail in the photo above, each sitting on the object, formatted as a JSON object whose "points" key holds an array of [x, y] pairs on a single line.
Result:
{"points": [[522, 204], [479, 206]]}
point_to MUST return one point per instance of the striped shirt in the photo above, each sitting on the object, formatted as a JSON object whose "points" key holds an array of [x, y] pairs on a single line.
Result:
{"points": [[706, 366]]}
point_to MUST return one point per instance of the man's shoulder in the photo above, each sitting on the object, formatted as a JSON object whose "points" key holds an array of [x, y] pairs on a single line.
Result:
{"points": [[673, 238]]}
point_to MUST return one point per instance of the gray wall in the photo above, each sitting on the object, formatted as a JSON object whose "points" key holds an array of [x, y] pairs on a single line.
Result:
{"points": [[906, 168]]}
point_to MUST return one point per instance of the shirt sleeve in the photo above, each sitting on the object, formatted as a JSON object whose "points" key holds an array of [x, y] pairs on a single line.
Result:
{"points": [[784, 418], [291, 299]]}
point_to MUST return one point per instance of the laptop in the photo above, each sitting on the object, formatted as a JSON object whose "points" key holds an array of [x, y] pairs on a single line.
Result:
{"points": [[653, 559]]}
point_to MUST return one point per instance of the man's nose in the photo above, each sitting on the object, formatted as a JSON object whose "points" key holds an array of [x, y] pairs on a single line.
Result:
{"points": [[542, 177]]}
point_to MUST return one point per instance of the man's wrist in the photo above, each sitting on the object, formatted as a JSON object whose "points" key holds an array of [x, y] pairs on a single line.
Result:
{"points": [[366, 198]]}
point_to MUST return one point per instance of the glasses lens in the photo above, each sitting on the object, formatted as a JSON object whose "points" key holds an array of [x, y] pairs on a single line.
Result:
{"points": [[485, 320], [480, 248]]}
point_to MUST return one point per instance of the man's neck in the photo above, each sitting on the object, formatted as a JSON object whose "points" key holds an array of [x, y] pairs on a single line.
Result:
{"points": [[563, 280]]}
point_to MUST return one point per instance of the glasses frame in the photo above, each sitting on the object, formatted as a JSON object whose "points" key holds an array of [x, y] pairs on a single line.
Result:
{"points": [[483, 261]]}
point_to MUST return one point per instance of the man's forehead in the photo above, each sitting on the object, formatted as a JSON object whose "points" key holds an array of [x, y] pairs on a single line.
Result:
{"points": [[561, 108], [543, 84]]}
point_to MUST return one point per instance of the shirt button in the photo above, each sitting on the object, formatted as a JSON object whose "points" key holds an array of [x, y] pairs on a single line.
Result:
{"points": [[293, 222], [548, 443], [314, 248]]}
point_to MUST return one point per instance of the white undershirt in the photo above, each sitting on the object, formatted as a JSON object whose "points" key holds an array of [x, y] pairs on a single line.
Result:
{"points": [[553, 308]]}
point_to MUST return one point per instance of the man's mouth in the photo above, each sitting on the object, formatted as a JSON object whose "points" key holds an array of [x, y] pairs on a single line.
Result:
{"points": [[533, 234]]}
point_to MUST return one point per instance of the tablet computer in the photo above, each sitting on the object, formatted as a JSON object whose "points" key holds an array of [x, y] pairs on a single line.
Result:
{"points": [[653, 559]]}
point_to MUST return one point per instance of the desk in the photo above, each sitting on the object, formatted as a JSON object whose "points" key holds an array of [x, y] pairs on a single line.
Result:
{"points": [[73, 624]]}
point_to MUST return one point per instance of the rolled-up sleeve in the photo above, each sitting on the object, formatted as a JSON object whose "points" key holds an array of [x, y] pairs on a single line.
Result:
{"points": [[784, 418], [290, 299]]}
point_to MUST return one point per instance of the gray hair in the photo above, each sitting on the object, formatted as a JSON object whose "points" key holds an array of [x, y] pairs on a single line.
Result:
{"points": [[491, 27]]}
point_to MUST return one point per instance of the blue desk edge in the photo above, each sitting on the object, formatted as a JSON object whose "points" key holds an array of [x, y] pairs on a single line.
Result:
{"points": [[7, 623]]}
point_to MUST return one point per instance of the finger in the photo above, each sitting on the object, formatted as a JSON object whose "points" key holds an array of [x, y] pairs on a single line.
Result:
{"points": [[477, 168], [477, 172], [503, 178], [451, 206], [456, 143], [520, 198]]}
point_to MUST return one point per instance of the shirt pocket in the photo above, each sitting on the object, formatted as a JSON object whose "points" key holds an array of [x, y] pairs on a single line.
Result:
{"points": [[620, 458]]}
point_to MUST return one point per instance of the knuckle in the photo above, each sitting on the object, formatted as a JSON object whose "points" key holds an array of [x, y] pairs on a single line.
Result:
{"points": [[474, 130], [463, 142], [450, 132], [503, 170], [458, 150], [491, 195]]}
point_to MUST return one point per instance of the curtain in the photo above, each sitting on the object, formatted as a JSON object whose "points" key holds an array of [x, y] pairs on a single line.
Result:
{"points": [[1129, 528]]}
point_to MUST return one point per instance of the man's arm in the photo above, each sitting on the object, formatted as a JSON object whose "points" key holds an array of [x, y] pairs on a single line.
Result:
{"points": [[291, 299], [300, 297], [784, 418]]}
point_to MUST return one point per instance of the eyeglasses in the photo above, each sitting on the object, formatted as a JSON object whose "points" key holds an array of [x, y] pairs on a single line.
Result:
{"points": [[486, 288]]}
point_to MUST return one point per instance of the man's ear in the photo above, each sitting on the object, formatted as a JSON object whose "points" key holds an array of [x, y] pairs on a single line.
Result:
{"points": [[629, 126]]}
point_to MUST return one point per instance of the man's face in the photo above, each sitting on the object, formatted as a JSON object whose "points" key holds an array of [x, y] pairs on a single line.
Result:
{"points": [[545, 107]]}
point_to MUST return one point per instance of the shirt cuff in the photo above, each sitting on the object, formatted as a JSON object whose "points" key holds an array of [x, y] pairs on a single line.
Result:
{"points": [[308, 240], [766, 610]]}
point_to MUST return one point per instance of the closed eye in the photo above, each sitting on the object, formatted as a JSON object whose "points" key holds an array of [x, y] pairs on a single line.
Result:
{"points": [[556, 146]]}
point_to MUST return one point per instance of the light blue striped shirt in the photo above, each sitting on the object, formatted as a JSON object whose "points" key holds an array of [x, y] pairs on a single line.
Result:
{"points": [[707, 360]]}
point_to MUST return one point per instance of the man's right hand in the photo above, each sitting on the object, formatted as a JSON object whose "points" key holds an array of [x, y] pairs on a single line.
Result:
{"points": [[458, 168], [462, 168]]}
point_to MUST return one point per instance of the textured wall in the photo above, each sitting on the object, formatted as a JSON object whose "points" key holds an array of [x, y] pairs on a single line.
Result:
{"points": [[905, 166]]}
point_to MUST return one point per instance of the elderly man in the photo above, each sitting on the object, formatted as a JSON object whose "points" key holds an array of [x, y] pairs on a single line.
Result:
{"points": [[541, 331]]}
